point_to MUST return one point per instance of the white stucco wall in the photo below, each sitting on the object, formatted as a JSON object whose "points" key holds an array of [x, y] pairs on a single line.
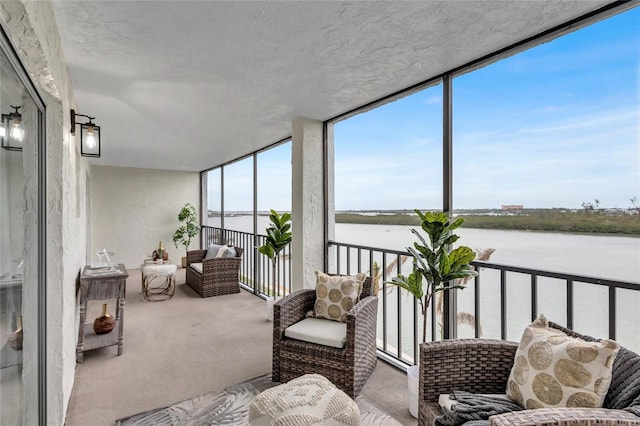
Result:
{"points": [[32, 29], [307, 202], [134, 209]]}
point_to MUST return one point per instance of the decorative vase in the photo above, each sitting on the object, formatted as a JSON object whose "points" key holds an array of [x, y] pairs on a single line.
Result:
{"points": [[184, 261], [105, 323], [160, 253], [15, 339]]}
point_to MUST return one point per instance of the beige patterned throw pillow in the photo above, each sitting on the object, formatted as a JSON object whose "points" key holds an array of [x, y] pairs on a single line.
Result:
{"points": [[552, 369], [336, 295]]}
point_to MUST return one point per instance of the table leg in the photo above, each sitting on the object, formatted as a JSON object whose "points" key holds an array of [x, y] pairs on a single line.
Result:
{"points": [[145, 287], [172, 285], [83, 317], [120, 321]]}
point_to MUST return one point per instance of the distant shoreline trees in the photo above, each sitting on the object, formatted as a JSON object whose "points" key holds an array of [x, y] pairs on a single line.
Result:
{"points": [[609, 221]]}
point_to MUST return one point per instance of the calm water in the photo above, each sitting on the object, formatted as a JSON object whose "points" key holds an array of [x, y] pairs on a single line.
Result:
{"points": [[612, 257]]}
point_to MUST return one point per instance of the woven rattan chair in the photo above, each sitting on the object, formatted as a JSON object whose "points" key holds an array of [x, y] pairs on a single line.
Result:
{"points": [[219, 275], [483, 366], [348, 368]]}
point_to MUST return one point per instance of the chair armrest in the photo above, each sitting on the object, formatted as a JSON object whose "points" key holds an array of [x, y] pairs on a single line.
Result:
{"points": [[195, 256], [472, 365], [362, 320], [565, 416], [292, 309]]}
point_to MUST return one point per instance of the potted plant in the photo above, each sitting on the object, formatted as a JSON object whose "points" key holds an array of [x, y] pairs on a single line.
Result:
{"points": [[434, 267], [189, 229], [278, 237]]}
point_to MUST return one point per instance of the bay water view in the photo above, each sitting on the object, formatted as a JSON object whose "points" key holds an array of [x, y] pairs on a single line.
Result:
{"points": [[594, 255]]}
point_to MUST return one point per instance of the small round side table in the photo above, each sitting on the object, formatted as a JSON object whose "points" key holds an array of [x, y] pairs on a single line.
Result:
{"points": [[158, 281]]}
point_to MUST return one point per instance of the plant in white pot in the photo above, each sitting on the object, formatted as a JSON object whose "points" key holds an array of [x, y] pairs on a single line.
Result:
{"points": [[278, 237], [434, 267], [188, 217]]}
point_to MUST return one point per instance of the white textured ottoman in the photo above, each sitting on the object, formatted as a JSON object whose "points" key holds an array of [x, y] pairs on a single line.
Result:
{"points": [[308, 400]]}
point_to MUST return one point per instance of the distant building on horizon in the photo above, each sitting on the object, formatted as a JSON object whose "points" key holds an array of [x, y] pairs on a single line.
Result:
{"points": [[512, 207]]}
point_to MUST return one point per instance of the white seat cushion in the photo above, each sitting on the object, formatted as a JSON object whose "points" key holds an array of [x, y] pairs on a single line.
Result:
{"points": [[320, 331], [197, 267], [158, 270]]}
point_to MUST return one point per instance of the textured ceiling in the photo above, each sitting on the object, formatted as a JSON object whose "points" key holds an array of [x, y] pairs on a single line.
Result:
{"points": [[187, 85]]}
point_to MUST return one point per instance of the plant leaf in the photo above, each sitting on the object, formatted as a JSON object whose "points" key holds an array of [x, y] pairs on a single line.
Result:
{"points": [[411, 283]]}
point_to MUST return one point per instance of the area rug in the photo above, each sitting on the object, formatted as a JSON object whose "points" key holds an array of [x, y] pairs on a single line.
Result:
{"points": [[231, 407]]}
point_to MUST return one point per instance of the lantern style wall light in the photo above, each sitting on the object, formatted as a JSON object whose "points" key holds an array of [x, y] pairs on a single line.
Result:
{"points": [[11, 130], [89, 135]]}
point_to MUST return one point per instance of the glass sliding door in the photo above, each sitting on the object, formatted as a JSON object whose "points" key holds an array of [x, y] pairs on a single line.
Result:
{"points": [[21, 268]]}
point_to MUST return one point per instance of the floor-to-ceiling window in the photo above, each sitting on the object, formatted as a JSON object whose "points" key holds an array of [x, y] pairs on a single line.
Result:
{"points": [[274, 182], [213, 185], [547, 172], [238, 197], [388, 162], [546, 167], [273, 179], [21, 264]]}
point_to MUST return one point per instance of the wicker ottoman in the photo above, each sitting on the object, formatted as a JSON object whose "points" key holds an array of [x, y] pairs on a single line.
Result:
{"points": [[307, 400]]}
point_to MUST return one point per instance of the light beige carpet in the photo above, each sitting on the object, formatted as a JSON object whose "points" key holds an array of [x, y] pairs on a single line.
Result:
{"points": [[187, 346]]}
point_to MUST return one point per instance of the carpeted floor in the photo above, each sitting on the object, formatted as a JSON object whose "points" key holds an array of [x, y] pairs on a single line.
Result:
{"points": [[231, 407], [188, 346]]}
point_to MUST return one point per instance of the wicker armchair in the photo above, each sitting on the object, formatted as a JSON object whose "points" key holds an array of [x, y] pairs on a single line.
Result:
{"points": [[219, 275], [483, 366], [348, 368]]}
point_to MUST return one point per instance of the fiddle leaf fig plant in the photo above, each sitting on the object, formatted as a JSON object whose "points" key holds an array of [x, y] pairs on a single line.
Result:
{"points": [[278, 237], [434, 265], [188, 216]]}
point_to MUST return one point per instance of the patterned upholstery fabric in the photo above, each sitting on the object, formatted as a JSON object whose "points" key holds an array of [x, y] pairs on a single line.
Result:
{"points": [[552, 369]]}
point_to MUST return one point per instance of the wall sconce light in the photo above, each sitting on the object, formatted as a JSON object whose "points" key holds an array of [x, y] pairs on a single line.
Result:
{"points": [[11, 130], [89, 135]]}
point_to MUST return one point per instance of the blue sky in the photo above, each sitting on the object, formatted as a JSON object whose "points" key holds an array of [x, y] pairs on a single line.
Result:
{"points": [[554, 126]]}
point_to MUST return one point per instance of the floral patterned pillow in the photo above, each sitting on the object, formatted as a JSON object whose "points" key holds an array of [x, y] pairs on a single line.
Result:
{"points": [[336, 295], [552, 369]]}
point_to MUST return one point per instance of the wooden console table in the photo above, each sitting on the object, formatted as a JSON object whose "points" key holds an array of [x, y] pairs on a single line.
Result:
{"points": [[97, 285]]}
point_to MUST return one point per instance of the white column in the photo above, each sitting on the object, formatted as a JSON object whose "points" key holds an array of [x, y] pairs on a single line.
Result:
{"points": [[307, 202]]}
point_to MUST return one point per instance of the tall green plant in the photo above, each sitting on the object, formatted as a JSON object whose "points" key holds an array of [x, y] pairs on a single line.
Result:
{"points": [[188, 216], [278, 236], [434, 263]]}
